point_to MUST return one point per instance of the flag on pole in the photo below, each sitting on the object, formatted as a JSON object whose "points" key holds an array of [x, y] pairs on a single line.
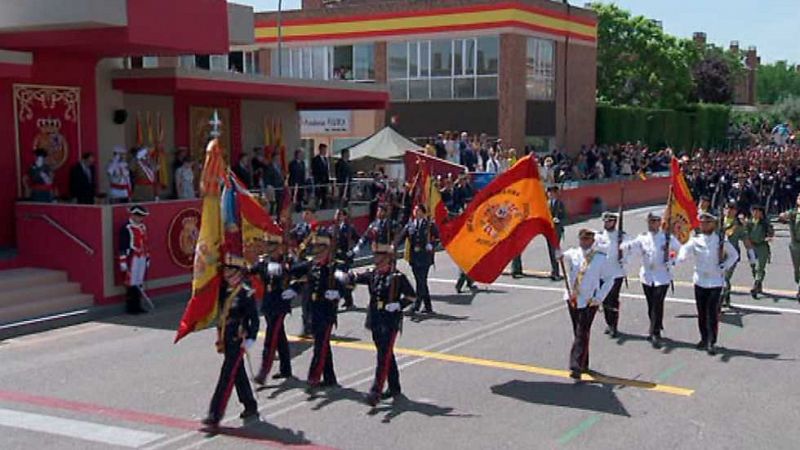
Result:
{"points": [[499, 222], [681, 210], [202, 307]]}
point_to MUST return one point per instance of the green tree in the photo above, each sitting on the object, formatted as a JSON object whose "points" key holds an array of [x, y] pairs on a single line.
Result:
{"points": [[638, 64], [777, 81], [787, 109], [715, 75]]}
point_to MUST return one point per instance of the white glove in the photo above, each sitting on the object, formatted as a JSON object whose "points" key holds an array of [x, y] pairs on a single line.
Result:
{"points": [[248, 343], [556, 220], [289, 294], [123, 267], [274, 269], [393, 307], [341, 276], [147, 265], [356, 249], [429, 247], [751, 256], [332, 294]]}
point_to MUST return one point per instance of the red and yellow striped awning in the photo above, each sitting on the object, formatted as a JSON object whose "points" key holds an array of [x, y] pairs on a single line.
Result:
{"points": [[479, 17]]}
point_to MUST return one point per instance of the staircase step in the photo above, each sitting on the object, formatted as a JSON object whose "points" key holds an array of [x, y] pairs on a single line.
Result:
{"points": [[45, 306], [38, 292], [13, 279]]}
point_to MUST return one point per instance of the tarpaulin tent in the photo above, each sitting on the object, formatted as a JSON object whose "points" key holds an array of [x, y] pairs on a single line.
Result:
{"points": [[384, 148]]}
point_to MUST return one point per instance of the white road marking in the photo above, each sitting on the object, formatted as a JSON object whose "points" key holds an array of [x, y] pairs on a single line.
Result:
{"points": [[741, 306], [87, 431]]}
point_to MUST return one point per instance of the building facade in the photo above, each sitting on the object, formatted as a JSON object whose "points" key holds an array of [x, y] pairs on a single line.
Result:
{"points": [[522, 70]]}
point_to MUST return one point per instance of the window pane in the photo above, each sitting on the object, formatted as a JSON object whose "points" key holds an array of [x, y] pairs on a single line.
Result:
{"points": [[398, 60], [149, 61], [413, 53], [441, 54], [488, 55], [487, 87], [202, 62], [398, 90], [236, 61], [464, 87], [187, 61], [343, 62], [469, 66], [424, 58], [297, 61], [364, 61], [418, 89], [307, 65], [318, 66], [458, 57], [441, 88]]}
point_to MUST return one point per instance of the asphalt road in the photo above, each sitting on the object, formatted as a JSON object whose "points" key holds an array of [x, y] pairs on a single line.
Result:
{"points": [[486, 371]]}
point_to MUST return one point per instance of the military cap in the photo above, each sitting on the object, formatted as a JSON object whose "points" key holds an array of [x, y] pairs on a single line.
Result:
{"points": [[610, 215], [234, 262], [706, 216], [273, 239], [138, 210], [586, 232], [381, 249], [759, 207], [652, 215]]}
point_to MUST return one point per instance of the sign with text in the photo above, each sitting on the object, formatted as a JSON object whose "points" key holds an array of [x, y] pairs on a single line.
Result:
{"points": [[325, 122]]}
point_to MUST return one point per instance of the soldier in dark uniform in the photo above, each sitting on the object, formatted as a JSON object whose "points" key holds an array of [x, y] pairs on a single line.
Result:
{"points": [[344, 235], [275, 272], [325, 285], [237, 330], [380, 231], [389, 293], [421, 236], [300, 235]]}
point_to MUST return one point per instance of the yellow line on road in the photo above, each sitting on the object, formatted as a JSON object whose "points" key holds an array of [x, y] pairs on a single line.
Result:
{"points": [[646, 385]]}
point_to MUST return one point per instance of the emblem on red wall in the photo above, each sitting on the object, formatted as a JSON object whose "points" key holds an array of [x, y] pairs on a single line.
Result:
{"points": [[182, 237], [47, 117]]}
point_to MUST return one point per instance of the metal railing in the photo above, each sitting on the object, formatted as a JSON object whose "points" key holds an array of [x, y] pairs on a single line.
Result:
{"points": [[52, 222]]}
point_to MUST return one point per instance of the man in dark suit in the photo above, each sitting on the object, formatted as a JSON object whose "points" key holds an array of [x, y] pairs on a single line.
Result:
{"points": [[320, 170], [244, 170], [83, 181], [344, 177], [297, 179]]}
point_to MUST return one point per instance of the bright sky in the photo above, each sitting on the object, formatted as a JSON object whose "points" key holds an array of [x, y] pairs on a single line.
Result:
{"points": [[770, 25]]}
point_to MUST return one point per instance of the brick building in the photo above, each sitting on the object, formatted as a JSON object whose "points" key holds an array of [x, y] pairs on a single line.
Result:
{"points": [[522, 70], [744, 92]]}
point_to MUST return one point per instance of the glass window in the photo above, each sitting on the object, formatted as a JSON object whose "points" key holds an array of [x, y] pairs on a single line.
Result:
{"points": [[469, 56], [540, 69], [398, 89], [488, 55], [419, 89], [413, 60], [149, 61], [186, 61], [364, 62], [202, 62], [343, 62], [236, 61], [442, 88], [464, 87], [487, 87], [441, 58], [398, 60], [219, 62]]}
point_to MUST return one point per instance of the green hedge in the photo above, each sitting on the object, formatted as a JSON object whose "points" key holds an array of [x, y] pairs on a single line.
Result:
{"points": [[698, 125]]}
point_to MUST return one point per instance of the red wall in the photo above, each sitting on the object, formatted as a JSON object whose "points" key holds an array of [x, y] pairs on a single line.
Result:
{"points": [[42, 246], [637, 193], [56, 69]]}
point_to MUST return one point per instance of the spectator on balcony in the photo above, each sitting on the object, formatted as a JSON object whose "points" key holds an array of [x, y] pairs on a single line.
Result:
{"points": [[83, 180], [320, 171], [184, 180]]}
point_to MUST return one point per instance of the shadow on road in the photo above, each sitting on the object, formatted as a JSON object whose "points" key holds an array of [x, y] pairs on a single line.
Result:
{"points": [[263, 432], [424, 317], [402, 404], [585, 396]]}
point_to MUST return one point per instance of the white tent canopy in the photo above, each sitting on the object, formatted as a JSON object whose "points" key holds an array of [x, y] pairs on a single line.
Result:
{"points": [[385, 146]]}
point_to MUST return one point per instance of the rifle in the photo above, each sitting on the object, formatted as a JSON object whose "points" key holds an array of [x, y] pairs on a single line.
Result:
{"points": [[620, 229], [769, 200], [566, 279], [721, 234]]}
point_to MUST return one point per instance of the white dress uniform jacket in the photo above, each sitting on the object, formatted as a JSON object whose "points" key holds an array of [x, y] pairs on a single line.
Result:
{"points": [[606, 242], [650, 248], [709, 271], [596, 279]]}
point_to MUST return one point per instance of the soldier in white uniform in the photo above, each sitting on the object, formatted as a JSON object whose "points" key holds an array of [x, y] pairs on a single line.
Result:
{"points": [[655, 272], [589, 281], [119, 177], [607, 242], [711, 261]]}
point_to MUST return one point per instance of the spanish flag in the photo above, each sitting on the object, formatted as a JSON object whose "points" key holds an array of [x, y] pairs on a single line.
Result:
{"points": [[681, 210], [202, 307], [499, 222]]}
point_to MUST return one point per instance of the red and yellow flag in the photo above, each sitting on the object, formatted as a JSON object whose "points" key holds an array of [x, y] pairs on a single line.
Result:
{"points": [[681, 210], [202, 307], [499, 222]]}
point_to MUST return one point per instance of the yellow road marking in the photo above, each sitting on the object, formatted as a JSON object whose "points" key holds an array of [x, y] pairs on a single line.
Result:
{"points": [[646, 385]]}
